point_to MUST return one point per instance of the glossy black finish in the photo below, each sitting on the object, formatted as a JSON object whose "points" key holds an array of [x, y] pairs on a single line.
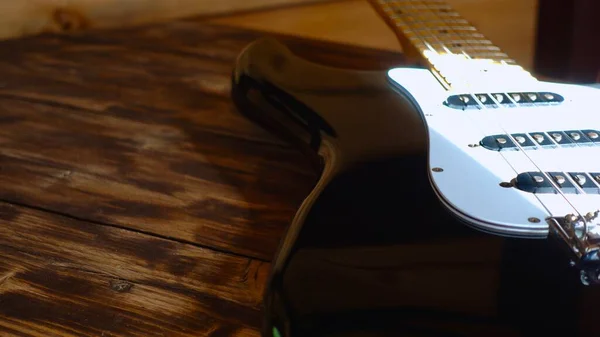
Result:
{"points": [[372, 252]]}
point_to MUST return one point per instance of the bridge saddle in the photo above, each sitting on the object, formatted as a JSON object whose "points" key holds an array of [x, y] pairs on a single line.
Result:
{"points": [[581, 235]]}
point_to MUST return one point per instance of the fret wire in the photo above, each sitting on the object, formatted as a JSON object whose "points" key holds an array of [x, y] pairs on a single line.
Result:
{"points": [[429, 23], [433, 15], [447, 74], [490, 54], [453, 37], [462, 23], [449, 38], [459, 47], [465, 48], [441, 29], [418, 8], [395, 14]]}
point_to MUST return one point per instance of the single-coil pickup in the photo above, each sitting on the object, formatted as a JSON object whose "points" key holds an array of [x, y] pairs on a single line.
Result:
{"points": [[503, 100], [567, 182], [531, 140]]}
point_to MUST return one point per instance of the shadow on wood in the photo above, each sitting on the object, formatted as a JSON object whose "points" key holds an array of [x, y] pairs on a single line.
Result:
{"points": [[135, 200]]}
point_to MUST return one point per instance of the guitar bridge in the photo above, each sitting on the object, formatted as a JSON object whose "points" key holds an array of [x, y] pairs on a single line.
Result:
{"points": [[581, 234]]}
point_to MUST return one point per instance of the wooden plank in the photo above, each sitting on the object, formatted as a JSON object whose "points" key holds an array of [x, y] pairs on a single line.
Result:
{"points": [[64, 277], [135, 128], [30, 17], [510, 24]]}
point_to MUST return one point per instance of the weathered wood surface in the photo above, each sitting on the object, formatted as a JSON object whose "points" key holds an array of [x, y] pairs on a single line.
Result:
{"points": [[64, 277], [29, 17], [126, 129], [134, 200]]}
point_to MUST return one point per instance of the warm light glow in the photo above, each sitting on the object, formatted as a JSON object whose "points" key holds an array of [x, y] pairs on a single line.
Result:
{"points": [[462, 71]]}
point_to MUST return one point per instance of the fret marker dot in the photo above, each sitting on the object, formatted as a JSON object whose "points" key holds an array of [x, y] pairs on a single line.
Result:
{"points": [[592, 135], [465, 99], [549, 97], [520, 139], [597, 179], [516, 97], [575, 135], [538, 179], [538, 138], [499, 98], [482, 98], [532, 97], [501, 140]]}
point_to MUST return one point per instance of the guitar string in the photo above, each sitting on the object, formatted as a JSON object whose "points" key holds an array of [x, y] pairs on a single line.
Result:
{"points": [[521, 149], [422, 38], [543, 172], [529, 157], [497, 102], [483, 107], [437, 15], [561, 170]]}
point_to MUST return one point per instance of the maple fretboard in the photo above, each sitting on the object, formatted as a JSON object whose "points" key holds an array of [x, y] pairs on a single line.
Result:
{"points": [[454, 49]]}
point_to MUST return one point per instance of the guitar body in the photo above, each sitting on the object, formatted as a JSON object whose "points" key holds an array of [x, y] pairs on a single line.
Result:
{"points": [[374, 250]]}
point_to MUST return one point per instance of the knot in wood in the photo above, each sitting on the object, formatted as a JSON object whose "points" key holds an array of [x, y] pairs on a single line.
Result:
{"points": [[69, 19], [120, 286]]}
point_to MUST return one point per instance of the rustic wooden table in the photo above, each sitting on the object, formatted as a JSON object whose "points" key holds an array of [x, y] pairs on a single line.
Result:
{"points": [[134, 199]]}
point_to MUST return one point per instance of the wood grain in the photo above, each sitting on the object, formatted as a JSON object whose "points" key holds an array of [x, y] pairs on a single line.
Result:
{"points": [[135, 128], [135, 200], [30, 17], [64, 277]]}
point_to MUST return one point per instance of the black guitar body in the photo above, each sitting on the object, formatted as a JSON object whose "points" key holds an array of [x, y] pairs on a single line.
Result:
{"points": [[372, 251]]}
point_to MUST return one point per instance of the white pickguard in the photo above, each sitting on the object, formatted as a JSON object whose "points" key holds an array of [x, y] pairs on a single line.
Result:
{"points": [[469, 182]]}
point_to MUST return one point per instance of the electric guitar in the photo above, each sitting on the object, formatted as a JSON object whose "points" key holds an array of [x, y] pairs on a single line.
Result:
{"points": [[458, 197]]}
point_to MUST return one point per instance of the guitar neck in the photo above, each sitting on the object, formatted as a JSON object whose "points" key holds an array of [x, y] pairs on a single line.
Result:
{"points": [[455, 51]]}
